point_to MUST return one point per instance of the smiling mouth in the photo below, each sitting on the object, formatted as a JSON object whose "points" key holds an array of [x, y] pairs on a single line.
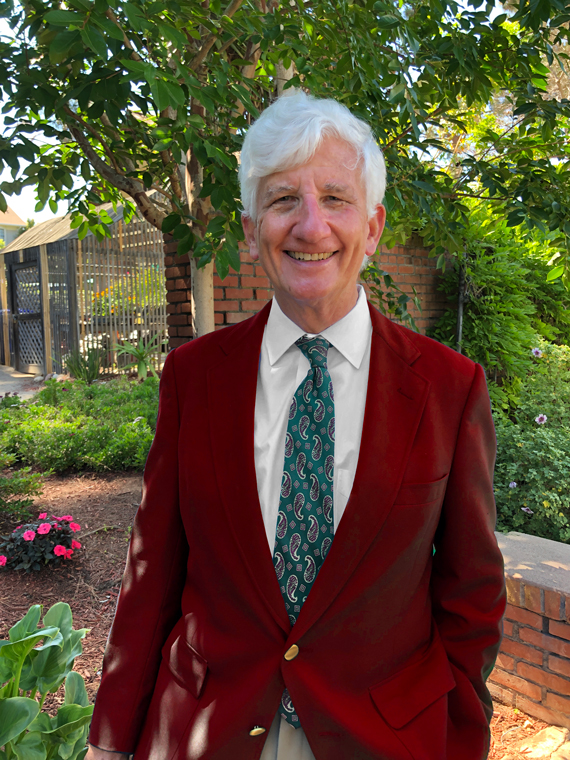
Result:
{"points": [[301, 256]]}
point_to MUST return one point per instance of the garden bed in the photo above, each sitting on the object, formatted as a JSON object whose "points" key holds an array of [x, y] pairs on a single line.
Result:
{"points": [[90, 582]]}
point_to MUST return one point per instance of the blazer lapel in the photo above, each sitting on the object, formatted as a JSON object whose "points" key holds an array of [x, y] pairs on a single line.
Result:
{"points": [[232, 385], [394, 404]]}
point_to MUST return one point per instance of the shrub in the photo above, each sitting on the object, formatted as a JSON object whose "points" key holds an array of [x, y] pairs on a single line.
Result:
{"points": [[38, 660], [75, 426], [86, 367], [32, 545], [17, 487]]}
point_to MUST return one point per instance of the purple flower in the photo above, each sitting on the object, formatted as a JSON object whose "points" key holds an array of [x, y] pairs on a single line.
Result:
{"points": [[537, 352], [527, 510], [512, 484], [541, 419]]}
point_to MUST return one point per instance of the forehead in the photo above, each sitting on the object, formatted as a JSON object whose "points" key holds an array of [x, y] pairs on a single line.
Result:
{"points": [[334, 167]]}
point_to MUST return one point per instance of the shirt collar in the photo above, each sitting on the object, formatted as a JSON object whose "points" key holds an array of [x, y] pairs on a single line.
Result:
{"points": [[350, 335]]}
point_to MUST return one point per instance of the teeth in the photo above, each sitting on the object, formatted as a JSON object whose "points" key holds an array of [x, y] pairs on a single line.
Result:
{"points": [[301, 256]]}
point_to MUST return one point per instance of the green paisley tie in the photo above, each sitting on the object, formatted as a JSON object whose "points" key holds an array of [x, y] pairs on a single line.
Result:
{"points": [[305, 526]]}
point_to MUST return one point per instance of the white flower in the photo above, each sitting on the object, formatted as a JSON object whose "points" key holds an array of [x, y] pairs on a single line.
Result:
{"points": [[541, 419], [138, 419], [537, 352], [512, 484], [527, 510]]}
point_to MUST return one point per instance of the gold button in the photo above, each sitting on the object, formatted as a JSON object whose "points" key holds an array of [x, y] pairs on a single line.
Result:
{"points": [[292, 652], [257, 731]]}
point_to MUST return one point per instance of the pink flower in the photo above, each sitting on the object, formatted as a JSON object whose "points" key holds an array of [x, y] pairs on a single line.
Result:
{"points": [[75, 544], [43, 516], [66, 517], [55, 517], [29, 535], [59, 550], [44, 528], [17, 528], [68, 553], [74, 527], [541, 419], [3, 560], [537, 352]]}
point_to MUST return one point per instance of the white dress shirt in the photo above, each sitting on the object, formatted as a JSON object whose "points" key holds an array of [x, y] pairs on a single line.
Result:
{"points": [[282, 366]]}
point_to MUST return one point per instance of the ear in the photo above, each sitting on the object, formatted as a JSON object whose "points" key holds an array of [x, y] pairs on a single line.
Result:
{"points": [[249, 230], [375, 228]]}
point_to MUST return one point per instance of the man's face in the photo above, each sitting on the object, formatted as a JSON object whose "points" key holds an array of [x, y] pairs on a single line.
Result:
{"points": [[315, 209]]}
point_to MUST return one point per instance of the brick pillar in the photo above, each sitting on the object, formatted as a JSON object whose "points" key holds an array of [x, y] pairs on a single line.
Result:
{"points": [[178, 300]]}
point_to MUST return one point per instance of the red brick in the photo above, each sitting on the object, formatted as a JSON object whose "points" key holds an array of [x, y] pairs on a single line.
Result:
{"points": [[537, 675], [231, 281], [505, 662], [246, 269], [186, 307], [172, 308], [218, 294], [174, 296], [255, 282], [523, 616], [170, 285], [177, 319], [182, 284], [521, 651], [504, 696], [181, 259], [553, 604], [234, 318], [559, 665], [219, 318], [174, 271], [562, 630], [239, 293], [263, 295], [557, 702], [533, 598], [226, 305], [171, 247], [175, 342], [186, 331], [244, 256], [169, 261], [544, 641], [553, 717], [252, 305], [516, 683], [172, 332]]}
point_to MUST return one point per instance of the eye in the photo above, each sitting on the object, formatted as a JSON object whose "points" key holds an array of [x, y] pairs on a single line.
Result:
{"points": [[285, 198]]}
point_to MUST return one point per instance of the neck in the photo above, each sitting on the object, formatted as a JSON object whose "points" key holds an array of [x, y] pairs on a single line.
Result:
{"points": [[316, 317]]}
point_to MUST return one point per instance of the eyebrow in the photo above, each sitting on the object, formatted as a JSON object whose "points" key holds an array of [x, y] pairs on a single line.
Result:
{"points": [[272, 191], [336, 187]]}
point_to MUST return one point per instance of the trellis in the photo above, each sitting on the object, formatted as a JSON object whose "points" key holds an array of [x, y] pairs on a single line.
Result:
{"points": [[90, 294]]}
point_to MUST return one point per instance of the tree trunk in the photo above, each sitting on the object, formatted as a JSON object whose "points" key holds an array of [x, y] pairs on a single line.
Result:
{"points": [[202, 298]]}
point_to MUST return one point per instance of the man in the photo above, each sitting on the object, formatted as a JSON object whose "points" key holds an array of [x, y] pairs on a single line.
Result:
{"points": [[313, 571]]}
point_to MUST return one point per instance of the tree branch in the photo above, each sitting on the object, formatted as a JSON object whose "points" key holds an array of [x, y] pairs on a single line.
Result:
{"points": [[95, 134], [111, 16], [200, 56]]}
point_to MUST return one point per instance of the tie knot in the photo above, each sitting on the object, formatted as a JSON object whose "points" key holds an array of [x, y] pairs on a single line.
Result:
{"points": [[315, 349]]}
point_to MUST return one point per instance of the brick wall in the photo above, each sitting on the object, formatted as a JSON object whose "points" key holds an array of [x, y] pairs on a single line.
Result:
{"points": [[532, 671], [240, 295]]}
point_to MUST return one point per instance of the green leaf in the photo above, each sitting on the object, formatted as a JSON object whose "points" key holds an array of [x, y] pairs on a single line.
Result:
{"points": [[160, 93], [424, 186], [27, 625], [16, 714], [75, 691], [170, 222], [555, 273], [30, 747], [63, 18], [95, 40], [60, 48]]}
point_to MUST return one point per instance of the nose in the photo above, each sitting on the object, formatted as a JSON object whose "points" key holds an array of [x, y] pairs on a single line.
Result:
{"points": [[311, 225]]}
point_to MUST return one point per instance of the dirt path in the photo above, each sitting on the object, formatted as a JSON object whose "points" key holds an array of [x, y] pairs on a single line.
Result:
{"points": [[104, 506]]}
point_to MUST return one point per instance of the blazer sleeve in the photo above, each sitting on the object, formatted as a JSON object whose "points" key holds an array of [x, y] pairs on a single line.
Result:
{"points": [[467, 583], [149, 603]]}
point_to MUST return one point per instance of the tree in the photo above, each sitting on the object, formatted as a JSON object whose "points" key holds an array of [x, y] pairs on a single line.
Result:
{"points": [[145, 104]]}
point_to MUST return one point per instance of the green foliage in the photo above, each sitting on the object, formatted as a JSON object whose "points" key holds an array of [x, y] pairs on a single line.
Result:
{"points": [[75, 426], [37, 660], [142, 354], [9, 399], [84, 367], [388, 295], [535, 455], [18, 487], [510, 307], [32, 545], [118, 96]]}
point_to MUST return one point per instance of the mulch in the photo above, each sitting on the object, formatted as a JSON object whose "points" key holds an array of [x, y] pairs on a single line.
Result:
{"points": [[104, 506]]}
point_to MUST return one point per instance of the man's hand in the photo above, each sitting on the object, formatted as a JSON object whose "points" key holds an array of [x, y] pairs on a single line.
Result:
{"points": [[94, 753]]}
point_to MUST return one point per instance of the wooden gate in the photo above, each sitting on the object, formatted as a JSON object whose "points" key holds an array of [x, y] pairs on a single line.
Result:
{"points": [[27, 313]]}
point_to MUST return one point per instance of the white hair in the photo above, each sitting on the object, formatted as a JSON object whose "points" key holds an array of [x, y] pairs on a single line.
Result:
{"points": [[288, 134]]}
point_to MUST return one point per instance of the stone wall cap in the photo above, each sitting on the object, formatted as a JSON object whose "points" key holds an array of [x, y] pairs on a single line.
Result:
{"points": [[535, 560]]}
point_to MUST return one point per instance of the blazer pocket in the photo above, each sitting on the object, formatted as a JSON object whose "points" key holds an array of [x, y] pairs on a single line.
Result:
{"points": [[187, 666], [403, 696], [421, 493]]}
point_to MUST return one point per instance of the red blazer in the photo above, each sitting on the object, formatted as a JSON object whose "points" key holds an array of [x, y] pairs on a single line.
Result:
{"points": [[395, 642]]}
